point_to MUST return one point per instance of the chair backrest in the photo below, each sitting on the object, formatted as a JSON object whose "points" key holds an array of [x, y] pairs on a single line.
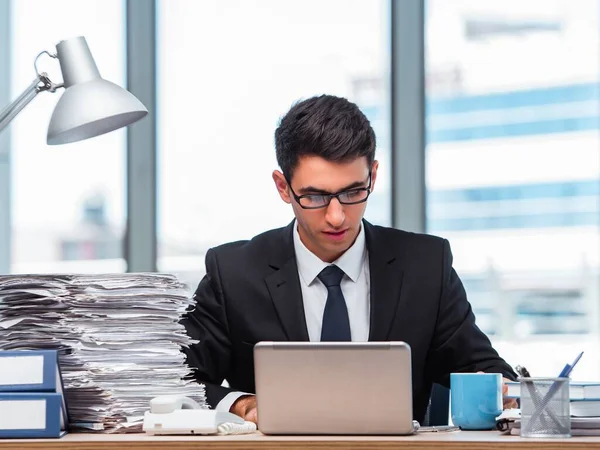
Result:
{"points": [[439, 406]]}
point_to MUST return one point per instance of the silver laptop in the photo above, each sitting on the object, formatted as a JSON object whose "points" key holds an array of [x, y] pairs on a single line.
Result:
{"points": [[333, 387]]}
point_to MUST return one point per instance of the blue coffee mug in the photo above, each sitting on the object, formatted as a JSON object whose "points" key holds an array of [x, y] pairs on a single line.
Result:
{"points": [[476, 400]]}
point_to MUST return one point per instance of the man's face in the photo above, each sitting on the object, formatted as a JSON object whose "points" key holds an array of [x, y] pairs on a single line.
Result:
{"points": [[329, 231]]}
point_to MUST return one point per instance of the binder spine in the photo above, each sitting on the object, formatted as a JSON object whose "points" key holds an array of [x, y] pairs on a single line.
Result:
{"points": [[12, 365], [22, 418]]}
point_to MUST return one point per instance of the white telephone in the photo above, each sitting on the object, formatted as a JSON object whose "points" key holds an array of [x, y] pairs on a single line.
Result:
{"points": [[170, 414]]}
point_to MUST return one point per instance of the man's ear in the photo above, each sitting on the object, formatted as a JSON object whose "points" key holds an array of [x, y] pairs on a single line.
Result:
{"points": [[282, 186], [374, 168]]}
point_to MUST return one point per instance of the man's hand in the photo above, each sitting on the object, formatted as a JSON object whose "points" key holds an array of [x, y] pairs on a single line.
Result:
{"points": [[508, 402], [245, 407]]}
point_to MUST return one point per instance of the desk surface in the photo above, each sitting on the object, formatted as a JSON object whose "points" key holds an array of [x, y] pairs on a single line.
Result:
{"points": [[476, 440]]}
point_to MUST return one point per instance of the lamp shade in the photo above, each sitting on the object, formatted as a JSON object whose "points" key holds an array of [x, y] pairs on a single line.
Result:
{"points": [[90, 105]]}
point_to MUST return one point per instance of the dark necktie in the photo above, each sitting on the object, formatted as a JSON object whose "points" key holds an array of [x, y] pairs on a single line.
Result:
{"points": [[336, 324]]}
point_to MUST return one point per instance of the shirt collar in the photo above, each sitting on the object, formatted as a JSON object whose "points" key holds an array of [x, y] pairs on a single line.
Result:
{"points": [[351, 261]]}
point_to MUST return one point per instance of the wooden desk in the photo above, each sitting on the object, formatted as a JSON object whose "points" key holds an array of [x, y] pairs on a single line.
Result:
{"points": [[475, 440]]}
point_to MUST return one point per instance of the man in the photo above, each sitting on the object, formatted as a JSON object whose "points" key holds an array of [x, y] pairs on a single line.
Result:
{"points": [[330, 275]]}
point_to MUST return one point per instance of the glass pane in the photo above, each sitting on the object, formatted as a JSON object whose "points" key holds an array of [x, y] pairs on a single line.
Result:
{"points": [[513, 170], [68, 202], [228, 70]]}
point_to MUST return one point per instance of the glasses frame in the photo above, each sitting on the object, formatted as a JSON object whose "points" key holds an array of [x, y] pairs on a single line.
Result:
{"points": [[336, 195]]}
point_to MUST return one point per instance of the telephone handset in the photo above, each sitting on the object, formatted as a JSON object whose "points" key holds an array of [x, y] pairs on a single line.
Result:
{"points": [[169, 403], [172, 414]]}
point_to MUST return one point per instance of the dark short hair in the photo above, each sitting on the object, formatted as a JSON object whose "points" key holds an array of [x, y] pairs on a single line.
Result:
{"points": [[327, 126]]}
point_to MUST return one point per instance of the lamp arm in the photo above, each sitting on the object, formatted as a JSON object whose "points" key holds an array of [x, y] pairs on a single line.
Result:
{"points": [[41, 83]]}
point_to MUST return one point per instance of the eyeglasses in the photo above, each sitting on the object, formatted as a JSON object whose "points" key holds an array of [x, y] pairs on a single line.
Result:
{"points": [[349, 197]]}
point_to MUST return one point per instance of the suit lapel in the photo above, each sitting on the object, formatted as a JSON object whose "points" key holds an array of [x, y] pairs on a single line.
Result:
{"points": [[284, 287], [386, 276]]}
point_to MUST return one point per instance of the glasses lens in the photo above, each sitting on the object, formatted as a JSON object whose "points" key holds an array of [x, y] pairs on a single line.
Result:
{"points": [[314, 201], [355, 196]]}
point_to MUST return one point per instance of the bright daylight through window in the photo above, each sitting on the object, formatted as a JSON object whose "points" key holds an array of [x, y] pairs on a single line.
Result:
{"points": [[513, 167]]}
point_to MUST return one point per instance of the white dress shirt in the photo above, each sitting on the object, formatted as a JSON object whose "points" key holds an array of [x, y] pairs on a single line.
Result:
{"points": [[355, 288]]}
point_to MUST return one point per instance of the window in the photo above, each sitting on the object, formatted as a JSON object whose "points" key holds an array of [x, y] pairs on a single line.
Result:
{"points": [[513, 170], [227, 72], [68, 202]]}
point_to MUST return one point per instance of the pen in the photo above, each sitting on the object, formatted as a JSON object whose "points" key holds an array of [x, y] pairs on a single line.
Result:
{"points": [[569, 367]]}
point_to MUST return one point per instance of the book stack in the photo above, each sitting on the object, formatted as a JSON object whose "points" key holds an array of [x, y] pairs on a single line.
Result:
{"points": [[32, 403], [585, 400], [119, 339]]}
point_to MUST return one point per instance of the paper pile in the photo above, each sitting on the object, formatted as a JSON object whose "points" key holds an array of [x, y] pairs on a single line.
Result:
{"points": [[120, 339]]}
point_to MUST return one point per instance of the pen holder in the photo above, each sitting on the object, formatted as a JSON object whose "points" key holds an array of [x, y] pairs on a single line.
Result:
{"points": [[545, 408]]}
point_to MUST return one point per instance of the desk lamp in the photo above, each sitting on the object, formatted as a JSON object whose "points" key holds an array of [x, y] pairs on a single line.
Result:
{"points": [[90, 105]]}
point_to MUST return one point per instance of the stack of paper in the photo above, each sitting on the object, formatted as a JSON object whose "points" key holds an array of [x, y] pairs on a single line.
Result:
{"points": [[119, 334]]}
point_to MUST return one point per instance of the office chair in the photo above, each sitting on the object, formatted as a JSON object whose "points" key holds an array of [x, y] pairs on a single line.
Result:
{"points": [[439, 406]]}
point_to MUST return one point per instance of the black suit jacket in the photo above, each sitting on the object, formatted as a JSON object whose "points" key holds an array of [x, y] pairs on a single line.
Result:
{"points": [[251, 293]]}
